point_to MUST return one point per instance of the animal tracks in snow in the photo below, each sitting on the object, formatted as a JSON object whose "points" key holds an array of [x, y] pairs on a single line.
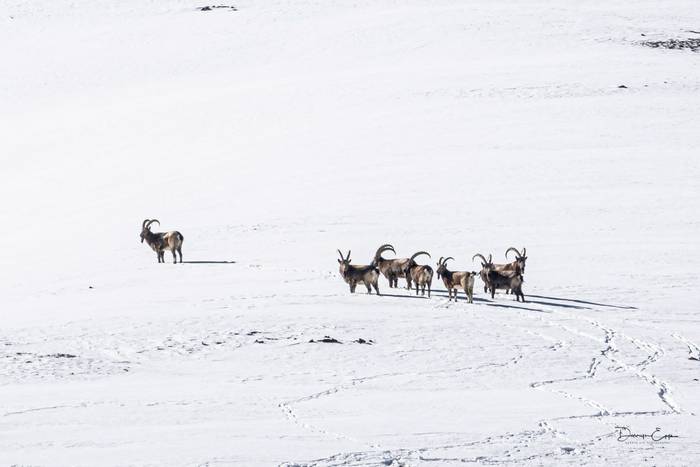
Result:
{"points": [[553, 356]]}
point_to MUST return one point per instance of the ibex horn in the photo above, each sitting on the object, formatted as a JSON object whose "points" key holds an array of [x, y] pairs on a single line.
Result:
{"points": [[447, 259], [148, 226], [479, 255], [383, 248], [418, 254], [143, 226], [517, 253]]}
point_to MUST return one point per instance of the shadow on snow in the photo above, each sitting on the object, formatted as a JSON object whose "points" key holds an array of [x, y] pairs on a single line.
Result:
{"points": [[208, 262], [382, 294], [621, 307]]}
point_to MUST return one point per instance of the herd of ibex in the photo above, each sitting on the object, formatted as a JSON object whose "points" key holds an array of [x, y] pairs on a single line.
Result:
{"points": [[495, 276]]}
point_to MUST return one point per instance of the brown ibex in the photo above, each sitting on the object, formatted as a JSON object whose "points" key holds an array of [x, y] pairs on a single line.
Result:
{"points": [[393, 268], [422, 276], [495, 279], [161, 241], [454, 279], [515, 266], [368, 275]]}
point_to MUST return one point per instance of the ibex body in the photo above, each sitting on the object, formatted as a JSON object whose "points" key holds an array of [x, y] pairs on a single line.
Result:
{"points": [[456, 279], [392, 269], [162, 241], [353, 275], [421, 276], [512, 281]]}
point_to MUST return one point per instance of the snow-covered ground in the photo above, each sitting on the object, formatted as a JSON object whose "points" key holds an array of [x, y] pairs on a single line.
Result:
{"points": [[272, 135]]}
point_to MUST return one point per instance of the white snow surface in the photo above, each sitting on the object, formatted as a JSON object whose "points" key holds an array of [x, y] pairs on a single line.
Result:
{"points": [[272, 135]]}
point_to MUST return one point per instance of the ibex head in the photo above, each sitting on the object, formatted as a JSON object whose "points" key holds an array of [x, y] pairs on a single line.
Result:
{"points": [[411, 262], [380, 250], [519, 257], [146, 228], [442, 266], [485, 263], [343, 259]]}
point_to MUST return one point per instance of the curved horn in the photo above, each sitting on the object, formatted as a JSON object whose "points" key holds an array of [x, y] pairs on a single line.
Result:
{"points": [[524, 251], [440, 260], [383, 248], [447, 259], [418, 254], [148, 226], [341, 254], [479, 255], [143, 226], [517, 253]]}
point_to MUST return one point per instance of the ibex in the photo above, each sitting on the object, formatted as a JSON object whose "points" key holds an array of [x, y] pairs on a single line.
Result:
{"points": [[482, 273], [454, 279], [393, 268], [368, 275], [512, 281], [495, 279], [422, 276], [517, 265], [161, 241]]}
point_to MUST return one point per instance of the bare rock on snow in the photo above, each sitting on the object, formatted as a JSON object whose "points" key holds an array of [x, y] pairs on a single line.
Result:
{"points": [[326, 340], [679, 44], [217, 7]]}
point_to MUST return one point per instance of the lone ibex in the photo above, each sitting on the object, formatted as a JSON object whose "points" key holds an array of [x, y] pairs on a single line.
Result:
{"points": [[393, 268], [495, 279], [368, 275], [454, 279], [161, 241], [422, 276]]}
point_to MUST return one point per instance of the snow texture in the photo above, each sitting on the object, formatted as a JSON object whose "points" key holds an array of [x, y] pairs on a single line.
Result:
{"points": [[274, 132]]}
